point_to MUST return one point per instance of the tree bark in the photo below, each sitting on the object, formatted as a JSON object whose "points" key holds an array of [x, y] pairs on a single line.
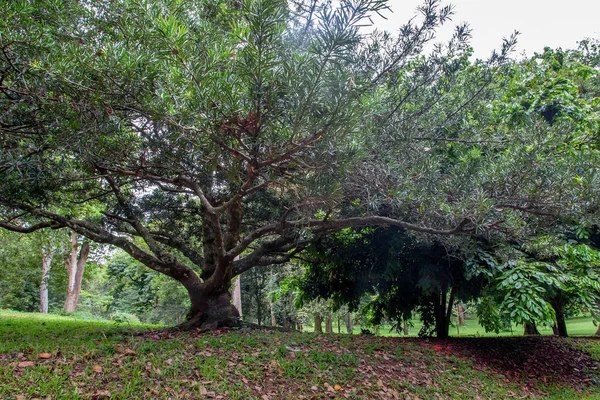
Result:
{"points": [[561, 326], [460, 312], [75, 270], [273, 319], [237, 295], [47, 255], [405, 327], [211, 311], [329, 323], [318, 322], [349, 327], [597, 331], [530, 329], [443, 312]]}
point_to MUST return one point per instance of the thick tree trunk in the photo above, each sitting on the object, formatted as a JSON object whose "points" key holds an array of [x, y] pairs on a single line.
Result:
{"points": [[329, 323], [75, 270], [47, 255], [318, 323], [530, 329], [210, 297], [348, 320], [561, 326], [211, 311]]}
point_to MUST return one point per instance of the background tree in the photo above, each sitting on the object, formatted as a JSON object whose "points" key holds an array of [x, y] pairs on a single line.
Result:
{"points": [[75, 263], [389, 274], [538, 282]]}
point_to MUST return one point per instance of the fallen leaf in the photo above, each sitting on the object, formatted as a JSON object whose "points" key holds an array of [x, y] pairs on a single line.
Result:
{"points": [[25, 364], [45, 355], [97, 369], [337, 387]]}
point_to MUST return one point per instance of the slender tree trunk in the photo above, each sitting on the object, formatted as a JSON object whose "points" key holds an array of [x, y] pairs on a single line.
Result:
{"points": [[443, 312], [81, 262], [75, 270], [47, 255], [405, 327], [561, 326], [318, 322], [329, 323], [460, 312], [530, 329], [349, 327], [273, 319], [597, 331], [339, 323], [259, 310], [237, 294]]}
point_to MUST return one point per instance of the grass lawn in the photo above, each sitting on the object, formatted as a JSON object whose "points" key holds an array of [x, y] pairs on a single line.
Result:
{"points": [[45, 356], [576, 326]]}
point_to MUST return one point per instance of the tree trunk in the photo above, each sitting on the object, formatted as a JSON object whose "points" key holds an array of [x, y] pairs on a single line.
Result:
{"points": [[47, 255], [530, 329], [349, 327], [273, 319], [329, 323], [339, 323], [211, 311], [597, 331], [318, 322], [443, 312], [405, 327], [237, 295], [460, 312], [561, 326], [75, 270]]}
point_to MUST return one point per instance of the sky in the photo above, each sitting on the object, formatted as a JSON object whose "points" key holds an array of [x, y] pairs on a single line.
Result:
{"points": [[553, 23]]}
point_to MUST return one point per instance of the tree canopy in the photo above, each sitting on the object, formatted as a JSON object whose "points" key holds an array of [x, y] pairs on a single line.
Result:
{"points": [[206, 138]]}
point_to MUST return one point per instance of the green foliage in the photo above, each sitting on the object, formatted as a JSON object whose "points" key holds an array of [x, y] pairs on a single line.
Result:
{"points": [[386, 273], [20, 271], [525, 286]]}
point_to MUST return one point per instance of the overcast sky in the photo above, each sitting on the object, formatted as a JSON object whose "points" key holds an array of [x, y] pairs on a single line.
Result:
{"points": [[554, 23]]}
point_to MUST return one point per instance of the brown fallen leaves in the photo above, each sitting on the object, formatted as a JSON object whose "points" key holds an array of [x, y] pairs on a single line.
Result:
{"points": [[25, 364]]}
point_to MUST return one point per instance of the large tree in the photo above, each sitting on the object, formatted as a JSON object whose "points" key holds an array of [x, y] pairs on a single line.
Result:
{"points": [[205, 138]]}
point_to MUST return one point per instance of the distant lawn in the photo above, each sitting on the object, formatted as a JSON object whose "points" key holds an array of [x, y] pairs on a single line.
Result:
{"points": [[59, 357], [576, 326]]}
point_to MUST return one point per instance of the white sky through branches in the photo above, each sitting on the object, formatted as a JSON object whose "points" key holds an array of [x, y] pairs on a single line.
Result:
{"points": [[553, 23]]}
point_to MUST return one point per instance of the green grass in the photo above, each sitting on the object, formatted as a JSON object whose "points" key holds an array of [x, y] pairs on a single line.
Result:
{"points": [[99, 359], [576, 326]]}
